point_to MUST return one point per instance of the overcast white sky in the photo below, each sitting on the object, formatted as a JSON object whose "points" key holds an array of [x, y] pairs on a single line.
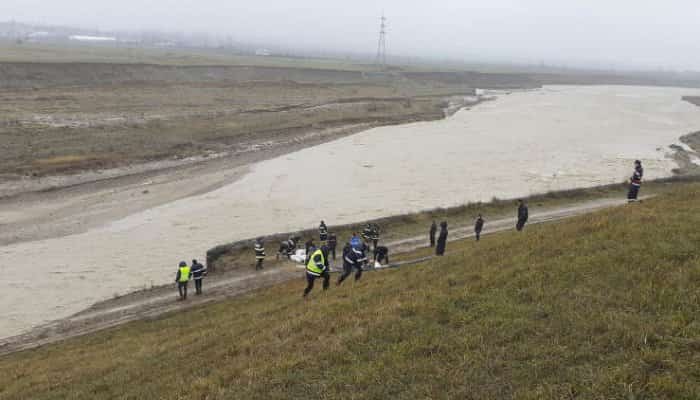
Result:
{"points": [[620, 33]]}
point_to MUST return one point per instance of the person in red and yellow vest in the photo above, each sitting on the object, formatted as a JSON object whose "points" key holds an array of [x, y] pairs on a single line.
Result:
{"points": [[182, 278], [317, 267]]}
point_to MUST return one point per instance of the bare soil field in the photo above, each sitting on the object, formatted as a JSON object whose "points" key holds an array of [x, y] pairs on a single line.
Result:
{"points": [[68, 110]]}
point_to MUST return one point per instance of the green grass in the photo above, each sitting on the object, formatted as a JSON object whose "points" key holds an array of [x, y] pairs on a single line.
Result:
{"points": [[602, 306]]}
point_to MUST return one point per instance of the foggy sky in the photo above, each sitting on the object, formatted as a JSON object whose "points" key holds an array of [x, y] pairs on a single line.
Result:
{"points": [[601, 33]]}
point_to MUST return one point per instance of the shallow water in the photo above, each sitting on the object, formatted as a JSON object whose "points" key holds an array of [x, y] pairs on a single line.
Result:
{"points": [[522, 143]]}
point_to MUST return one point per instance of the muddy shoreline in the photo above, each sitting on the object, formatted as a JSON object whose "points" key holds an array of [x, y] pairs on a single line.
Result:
{"points": [[42, 208]]}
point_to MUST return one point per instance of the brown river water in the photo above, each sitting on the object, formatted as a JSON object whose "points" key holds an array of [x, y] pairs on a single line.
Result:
{"points": [[522, 143]]}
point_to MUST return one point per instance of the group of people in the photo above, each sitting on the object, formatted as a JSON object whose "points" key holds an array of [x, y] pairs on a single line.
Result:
{"points": [[524, 214], [441, 243], [354, 255], [185, 273]]}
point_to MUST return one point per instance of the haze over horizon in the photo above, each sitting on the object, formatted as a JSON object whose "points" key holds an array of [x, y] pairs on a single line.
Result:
{"points": [[626, 34]]}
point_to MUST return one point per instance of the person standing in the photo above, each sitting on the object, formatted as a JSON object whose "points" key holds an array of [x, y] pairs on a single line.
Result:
{"points": [[635, 182], [523, 215], [198, 272], [433, 232], [323, 232], [478, 227], [371, 233], [332, 244], [442, 240], [182, 278], [259, 253], [316, 268], [350, 262]]}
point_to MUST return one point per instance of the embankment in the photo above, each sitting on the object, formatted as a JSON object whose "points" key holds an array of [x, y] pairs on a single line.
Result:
{"points": [[236, 255], [599, 306]]}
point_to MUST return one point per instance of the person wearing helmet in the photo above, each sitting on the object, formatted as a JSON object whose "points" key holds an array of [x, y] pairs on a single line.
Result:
{"points": [[198, 272], [322, 232], [351, 260], [259, 253], [635, 182], [182, 278]]}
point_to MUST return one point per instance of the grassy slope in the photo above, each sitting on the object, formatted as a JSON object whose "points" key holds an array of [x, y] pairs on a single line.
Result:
{"points": [[601, 306]]}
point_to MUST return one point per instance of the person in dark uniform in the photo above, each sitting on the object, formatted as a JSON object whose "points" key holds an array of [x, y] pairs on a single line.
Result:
{"points": [[288, 247], [371, 233], [332, 244], [433, 232], [323, 232], [259, 253], [635, 182], [478, 227], [199, 271], [316, 267], [381, 254], [442, 239], [523, 215], [350, 262]]}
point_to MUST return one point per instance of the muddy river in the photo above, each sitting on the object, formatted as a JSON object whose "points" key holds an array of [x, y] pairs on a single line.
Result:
{"points": [[522, 143]]}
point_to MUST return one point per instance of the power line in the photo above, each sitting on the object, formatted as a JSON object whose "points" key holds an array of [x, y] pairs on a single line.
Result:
{"points": [[381, 47]]}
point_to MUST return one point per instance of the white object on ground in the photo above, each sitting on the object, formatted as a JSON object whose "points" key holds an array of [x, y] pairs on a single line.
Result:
{"points": [[299, 256]]}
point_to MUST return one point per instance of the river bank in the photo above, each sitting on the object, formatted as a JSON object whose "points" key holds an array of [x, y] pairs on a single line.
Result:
{"points": [[233, 274], [524, 143]]}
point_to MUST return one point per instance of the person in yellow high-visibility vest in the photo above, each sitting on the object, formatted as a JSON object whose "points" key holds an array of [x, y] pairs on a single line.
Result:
{"points": [[182, 277], [317, 267]]}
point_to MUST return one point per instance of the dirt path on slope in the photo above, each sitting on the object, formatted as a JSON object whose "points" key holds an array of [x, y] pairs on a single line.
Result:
{"points": [[160, 300]]}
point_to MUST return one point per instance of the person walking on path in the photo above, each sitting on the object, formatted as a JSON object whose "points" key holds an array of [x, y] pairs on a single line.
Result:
{"points": [[182, 278], [198, 272], [433, 232], [332, 244], [478, 227], [323, 232], [316, 268], [523, 215], [635, 182], [259, 254], [442, 240], [351, 260]]}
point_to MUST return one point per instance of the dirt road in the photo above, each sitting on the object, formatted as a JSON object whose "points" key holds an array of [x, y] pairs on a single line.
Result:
{"points": [[160, 300]]}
